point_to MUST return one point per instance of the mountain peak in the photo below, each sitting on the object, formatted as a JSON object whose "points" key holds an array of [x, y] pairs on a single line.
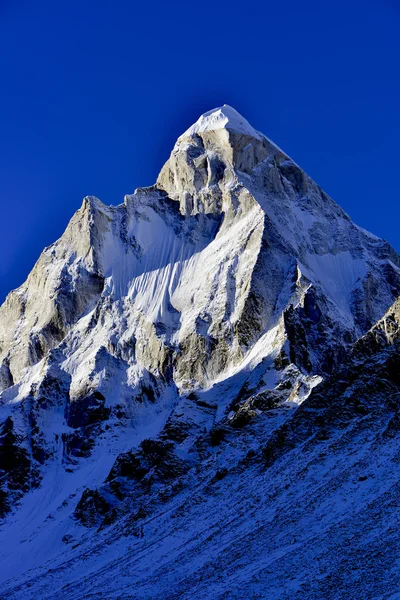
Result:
{"points": [[169, 344], [223, 117]]}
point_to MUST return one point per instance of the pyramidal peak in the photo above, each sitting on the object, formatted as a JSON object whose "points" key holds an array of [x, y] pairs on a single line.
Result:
{"points": [[223, 117], [208, 157]]}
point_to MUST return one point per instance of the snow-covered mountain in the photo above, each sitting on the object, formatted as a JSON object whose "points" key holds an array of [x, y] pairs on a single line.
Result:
{"points": [[191, 383]]}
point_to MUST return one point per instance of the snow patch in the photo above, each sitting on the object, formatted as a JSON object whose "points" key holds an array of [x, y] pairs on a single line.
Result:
{"points": [[224, 117]]}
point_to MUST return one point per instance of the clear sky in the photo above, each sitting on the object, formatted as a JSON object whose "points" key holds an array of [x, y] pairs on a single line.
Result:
{"points": [[94, 94]]}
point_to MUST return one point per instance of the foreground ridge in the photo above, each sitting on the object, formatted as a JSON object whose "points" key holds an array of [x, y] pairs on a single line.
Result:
{"points": [[203, 380]]}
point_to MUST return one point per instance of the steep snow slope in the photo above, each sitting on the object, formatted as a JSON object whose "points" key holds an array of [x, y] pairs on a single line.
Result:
{"points": [[309, 510], [156, 329]]}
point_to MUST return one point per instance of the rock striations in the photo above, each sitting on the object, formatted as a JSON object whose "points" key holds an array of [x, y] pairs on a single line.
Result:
{"points": [[199, 390]]}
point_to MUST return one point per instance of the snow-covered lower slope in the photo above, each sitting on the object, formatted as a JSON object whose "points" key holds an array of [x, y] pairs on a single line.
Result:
{"points": [[293, 504], [161, 343]]}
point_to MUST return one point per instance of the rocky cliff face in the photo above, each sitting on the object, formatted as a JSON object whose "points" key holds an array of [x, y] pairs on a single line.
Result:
{"points": [[188, 325]]}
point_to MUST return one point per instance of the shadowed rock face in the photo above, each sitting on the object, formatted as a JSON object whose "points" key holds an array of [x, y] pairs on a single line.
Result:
{"points": [[176, 342], [15, 465], [365, 388], [64, 282]]}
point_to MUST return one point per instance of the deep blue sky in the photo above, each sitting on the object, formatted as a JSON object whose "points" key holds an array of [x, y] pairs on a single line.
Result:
{"points": [[94, 94]]}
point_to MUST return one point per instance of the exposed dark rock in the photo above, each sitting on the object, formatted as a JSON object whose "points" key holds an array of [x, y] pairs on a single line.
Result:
{"points": [[16, 471], [132, 475], [176, 430], [80, 443], [219, 475], [217, 435], [269, 399], [128, 465], [309, 329], [92, 508], [359, 389], [87, 411], [242, 417]]}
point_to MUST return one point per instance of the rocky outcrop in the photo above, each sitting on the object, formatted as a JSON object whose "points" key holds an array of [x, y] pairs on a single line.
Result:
{"points": [[366, 387], [64, 283], [135, 477], [15, 466]]}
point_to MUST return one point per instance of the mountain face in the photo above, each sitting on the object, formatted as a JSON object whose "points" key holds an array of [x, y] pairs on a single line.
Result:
{"points": [[199, 390]]}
